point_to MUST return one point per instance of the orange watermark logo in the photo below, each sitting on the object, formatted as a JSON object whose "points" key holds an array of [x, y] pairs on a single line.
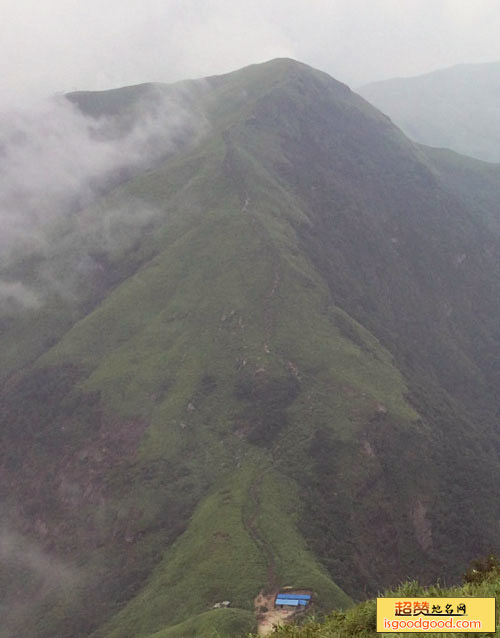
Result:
{"points": [[436, 614]]}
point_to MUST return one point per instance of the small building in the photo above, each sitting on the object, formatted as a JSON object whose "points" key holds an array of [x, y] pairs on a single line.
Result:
{"points": [[292, 601]]}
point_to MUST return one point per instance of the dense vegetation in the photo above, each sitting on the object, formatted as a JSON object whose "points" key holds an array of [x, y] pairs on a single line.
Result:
{"points": [[481, 580], [285, 374]]}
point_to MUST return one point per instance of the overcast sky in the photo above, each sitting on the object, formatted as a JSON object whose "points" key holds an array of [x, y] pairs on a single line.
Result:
{"points": [[61, 45]]}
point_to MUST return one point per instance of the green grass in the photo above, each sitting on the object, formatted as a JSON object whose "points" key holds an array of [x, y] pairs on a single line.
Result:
{"points": [[245, 398], [295, 563], [360, 621], [212, 624], [147, 352], [221, 555], [214, 560]]}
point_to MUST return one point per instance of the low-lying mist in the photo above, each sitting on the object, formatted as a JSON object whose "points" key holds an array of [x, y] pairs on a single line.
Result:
{"points": [[57, 159], [33, 575], [61, 226]]}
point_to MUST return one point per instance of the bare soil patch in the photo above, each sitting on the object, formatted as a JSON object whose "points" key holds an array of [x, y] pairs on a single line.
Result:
{"points": [[267, 620]]}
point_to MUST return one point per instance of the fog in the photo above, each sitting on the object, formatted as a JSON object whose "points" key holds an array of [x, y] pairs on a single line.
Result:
{"points": [[50, 572], [60, 45], [55, 162], [38, 573]]}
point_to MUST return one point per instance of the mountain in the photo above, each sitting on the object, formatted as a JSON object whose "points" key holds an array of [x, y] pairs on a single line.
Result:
{"points": [[263, 353], [456, 108]]}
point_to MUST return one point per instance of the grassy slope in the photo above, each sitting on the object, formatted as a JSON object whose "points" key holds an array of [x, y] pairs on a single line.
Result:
{"points": [[148, 348], [220, 342], [212, 624], [159, 344], [478, 182], [361, 620]]}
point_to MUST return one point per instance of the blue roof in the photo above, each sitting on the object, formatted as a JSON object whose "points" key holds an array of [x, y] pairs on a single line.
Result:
{"points": [[289, 601], [296, 596]]}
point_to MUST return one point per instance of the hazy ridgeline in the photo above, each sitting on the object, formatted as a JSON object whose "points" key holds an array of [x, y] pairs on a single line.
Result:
{"points": [[456, 108], [249, 340], [56, 159]]}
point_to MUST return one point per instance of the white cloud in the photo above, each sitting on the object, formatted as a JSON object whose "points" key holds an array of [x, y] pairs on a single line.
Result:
{"points": [[63, 44], [55, 161], [14, 295]]}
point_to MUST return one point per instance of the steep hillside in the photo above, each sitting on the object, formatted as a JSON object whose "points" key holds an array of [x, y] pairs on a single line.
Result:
{"points": [[456, 108], [284, 374], [362, 619]]}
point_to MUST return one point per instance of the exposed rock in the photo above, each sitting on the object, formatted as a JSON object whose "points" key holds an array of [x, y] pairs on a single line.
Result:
{"points": [[422, 525]]}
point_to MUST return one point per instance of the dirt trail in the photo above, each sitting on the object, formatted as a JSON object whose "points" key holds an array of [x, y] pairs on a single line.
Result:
{"points": [[257, 537], [266, 614], [268, 308], [245, 205]]}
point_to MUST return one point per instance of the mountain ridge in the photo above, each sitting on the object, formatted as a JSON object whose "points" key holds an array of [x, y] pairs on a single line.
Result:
{"points": [[455, 107], [261, 376]]}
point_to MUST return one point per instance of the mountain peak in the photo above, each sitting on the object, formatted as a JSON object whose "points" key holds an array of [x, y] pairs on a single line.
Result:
{"points": [[279, 69], [246, 348]]}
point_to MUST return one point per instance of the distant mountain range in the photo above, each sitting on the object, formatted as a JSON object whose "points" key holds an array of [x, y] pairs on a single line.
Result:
{"points": [[255, 346], [456, 108]]}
